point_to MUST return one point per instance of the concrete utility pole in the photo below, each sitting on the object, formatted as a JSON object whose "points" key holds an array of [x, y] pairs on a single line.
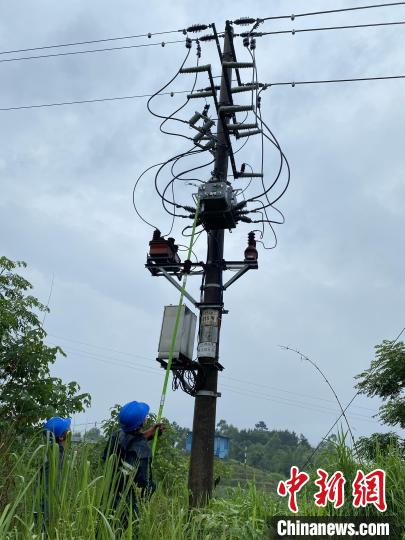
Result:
{"points": [[202, 450]]}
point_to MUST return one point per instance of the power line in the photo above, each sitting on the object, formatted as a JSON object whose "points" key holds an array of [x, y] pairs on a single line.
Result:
{"points": [[154, 369], [123, 98], [327, 81], [327, 12], [95, 100], [89, 42], [322, 28], [293, 403], [88, 51]]}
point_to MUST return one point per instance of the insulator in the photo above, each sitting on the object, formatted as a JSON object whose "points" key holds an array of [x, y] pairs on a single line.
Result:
{"points": [[251, 34], [236, 127], [253, 44], [197, 28], [251, 251], [194, 119], [198, 137], [208, 37], [243, 21], [197, 95], [216, 87], [243, 167], [196, 69], [189, 43], [249, 175], [244, 88], [251, 239], [198, 49], [189, 208], [187, 266], [245, 219], [149, 35], [163, 43], [240, 205], [208, 124], [292, 17], [246, 41], [247, 133], [156, 234], [231, 109], [237, 65]]}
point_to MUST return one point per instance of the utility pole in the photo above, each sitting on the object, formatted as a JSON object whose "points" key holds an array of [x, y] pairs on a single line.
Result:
{"points": [[201, 470], [217, 210]]}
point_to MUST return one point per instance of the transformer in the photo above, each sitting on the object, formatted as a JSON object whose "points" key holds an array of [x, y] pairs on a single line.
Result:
{"points": [[217, 206]]}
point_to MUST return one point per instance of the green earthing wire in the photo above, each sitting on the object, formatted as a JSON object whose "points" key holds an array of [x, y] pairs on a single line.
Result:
{"points": [[174, 336]]}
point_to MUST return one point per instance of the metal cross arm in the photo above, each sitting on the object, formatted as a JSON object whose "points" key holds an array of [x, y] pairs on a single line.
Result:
{"points": [[247, 266], [178, 287]]}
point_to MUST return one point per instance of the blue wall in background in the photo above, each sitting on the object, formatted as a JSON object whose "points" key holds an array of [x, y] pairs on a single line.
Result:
{"points": [[221, 445]]}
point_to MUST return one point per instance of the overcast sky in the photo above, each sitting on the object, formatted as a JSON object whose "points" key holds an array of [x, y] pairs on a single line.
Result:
{"points": [[333, 287]]}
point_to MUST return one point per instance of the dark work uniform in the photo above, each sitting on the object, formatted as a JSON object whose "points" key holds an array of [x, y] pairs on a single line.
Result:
{"points": [[43, 485], [134, 462]]}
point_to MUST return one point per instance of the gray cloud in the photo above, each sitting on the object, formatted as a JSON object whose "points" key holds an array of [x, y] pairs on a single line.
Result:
{"points": [[334, 285]]}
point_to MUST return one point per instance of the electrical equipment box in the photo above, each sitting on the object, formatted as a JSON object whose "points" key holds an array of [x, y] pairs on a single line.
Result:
{"points": [[184, 346], [217, 202], [162, 252]]}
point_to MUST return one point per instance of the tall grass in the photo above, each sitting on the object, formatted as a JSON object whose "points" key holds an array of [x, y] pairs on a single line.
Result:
{"points": [[79, 504]]}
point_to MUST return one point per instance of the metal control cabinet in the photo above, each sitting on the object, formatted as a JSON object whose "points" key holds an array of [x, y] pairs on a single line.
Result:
{"points": [[184, 346]]}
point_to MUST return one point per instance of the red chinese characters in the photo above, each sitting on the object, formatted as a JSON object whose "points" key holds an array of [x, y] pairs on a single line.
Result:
{"points": [[370, 489], [292, 486], [366, 489], [330, 489]]}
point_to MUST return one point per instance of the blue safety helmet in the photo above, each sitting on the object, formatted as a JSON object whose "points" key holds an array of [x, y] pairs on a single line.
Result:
{"points": [[132, 415], [57, 425]]}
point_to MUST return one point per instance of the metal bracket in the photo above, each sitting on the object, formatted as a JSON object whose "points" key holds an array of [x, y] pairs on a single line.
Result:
{"points": [[208, 393], [178, 287], [238, 274]]}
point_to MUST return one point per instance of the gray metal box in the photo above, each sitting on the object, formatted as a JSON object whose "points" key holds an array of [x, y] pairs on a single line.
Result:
{"points": [[184, 345]]}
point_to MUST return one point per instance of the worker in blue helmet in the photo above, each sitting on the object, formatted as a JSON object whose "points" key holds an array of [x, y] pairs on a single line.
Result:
{"points": [[130, 446], [56, 431]]}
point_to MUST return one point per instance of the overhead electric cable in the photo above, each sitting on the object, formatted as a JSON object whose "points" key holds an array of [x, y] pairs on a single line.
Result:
{"points": [[95, 100], [326, 81], [323, 28], [123, 98], [88, 42], [155, 368], [329, 11], [89, 51]]}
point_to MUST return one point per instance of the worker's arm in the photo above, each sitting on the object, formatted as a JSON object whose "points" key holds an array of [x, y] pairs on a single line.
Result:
{"points": [[150, 433]]}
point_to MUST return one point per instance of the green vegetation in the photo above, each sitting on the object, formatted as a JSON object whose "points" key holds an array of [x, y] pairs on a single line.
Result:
{"points": [[80, 506], [79, 503], [269, 450], [386, 378], [28, 394]]}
